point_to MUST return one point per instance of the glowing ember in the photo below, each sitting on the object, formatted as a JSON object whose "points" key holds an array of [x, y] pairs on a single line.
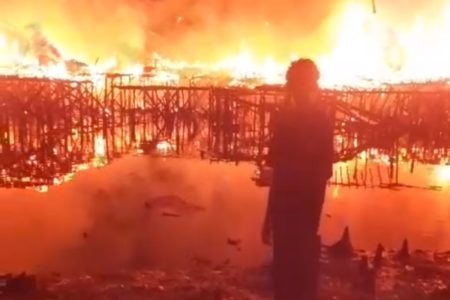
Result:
{"points": [[100, 158], [164, 148], [100, 146], [42, 189]]}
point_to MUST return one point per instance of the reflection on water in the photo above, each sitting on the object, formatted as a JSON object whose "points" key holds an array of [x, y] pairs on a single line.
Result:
{"points": [[100, 218], [443, 175], [389, 216]]}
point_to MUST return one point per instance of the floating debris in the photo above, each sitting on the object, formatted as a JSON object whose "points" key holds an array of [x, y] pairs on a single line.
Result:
{"points": [[174, 204], [171, 215]]}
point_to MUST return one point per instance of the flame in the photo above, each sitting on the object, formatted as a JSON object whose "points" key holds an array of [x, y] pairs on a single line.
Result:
{"points": [[136, 70], [367, 49], [370, 47], [100, 146], [164, 148]]}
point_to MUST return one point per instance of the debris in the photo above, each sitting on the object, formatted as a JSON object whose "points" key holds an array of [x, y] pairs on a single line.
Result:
{"points": [[343, 248], [378, 259], [173, 204], [171, 215], [234, 242], [208, 281], [18, 286], [403, 254], [365, 281]]}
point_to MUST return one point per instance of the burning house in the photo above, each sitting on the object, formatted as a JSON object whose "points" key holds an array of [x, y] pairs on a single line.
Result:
{"points": [[61, 110]]}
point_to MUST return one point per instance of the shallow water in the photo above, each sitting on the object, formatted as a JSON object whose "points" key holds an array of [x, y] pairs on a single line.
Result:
{"points": [[101, 220]]}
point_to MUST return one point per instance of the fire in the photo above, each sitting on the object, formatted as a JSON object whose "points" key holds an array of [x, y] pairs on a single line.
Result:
{"points": [[100, 146], [100, 158], [366, 49], [164, 148], [370, 47]]}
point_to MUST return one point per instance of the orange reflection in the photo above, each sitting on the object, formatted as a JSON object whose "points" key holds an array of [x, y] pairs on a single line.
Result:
{"points": [[443, 174]]}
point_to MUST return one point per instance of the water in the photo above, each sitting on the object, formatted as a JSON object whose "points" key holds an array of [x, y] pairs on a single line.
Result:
{"points": [[100, 219], [388, 217]]}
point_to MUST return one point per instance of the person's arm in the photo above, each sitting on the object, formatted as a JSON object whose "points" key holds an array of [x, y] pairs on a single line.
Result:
{"points": [[329, 140], [271, 147], [267, 224]]}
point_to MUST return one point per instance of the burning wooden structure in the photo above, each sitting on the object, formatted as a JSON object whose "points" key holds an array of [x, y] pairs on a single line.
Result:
{"points": [[50, 128], [46, 127]]}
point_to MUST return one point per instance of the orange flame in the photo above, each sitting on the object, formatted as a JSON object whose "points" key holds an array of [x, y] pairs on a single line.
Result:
{"points": [[368, 49]]}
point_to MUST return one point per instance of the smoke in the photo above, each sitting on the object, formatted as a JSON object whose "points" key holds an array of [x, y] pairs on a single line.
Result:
{"points": [[85, 30], [188, 29], [214, 29], [132, 30]]}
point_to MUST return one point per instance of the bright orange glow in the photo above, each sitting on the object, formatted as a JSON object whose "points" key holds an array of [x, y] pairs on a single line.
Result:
{"points": [[336, 192], [100, 159], [368, 50], [365, 49], [164, 148], [100, 146], [443, 174], [370, 47]]}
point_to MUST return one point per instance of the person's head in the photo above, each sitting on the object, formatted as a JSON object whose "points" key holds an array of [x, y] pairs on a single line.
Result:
{"points": [[302, 78]]}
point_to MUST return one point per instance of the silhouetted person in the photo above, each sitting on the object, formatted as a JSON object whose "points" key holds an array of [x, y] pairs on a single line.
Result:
{"points": [[301, 155]]}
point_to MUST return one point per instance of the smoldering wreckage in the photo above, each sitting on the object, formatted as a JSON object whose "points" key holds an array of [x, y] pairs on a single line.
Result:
{"points": [[346, 273]]}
